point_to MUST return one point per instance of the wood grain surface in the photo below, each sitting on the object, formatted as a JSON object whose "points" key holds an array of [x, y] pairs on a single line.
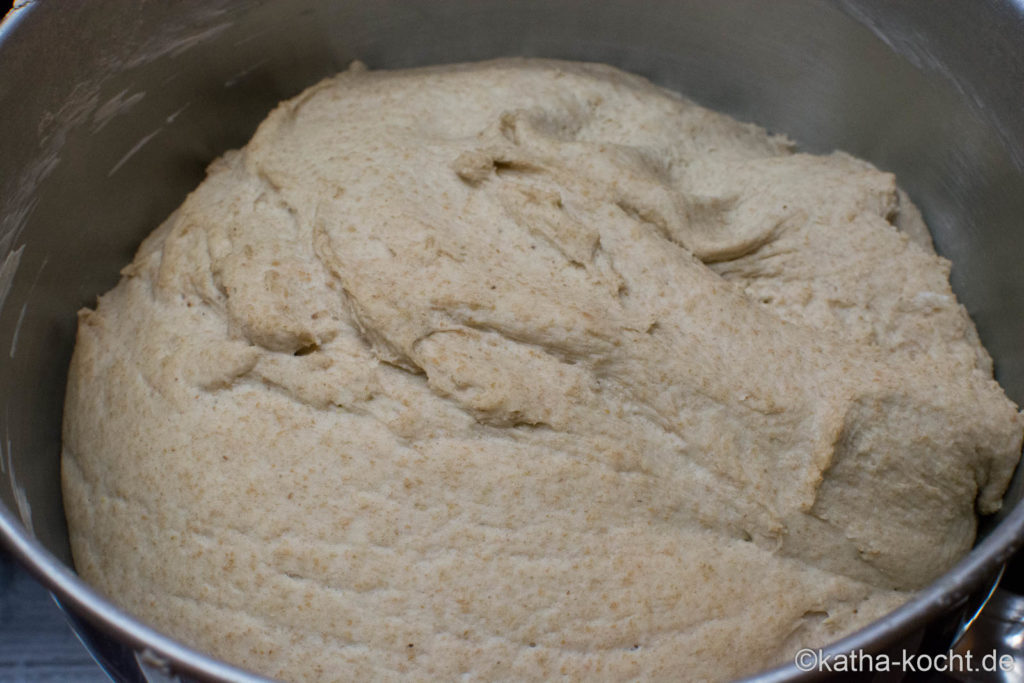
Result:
{"points": [[36, 643]]}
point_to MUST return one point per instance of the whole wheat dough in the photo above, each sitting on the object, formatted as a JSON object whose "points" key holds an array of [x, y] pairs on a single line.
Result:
{"points": [[523, 369]]}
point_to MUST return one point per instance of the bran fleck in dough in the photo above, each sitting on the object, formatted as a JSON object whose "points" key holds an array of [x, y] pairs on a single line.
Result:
{"points": [[522, 369]]}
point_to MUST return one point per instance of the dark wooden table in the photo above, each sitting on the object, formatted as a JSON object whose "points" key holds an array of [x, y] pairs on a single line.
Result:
{"points": [[36, 643]]}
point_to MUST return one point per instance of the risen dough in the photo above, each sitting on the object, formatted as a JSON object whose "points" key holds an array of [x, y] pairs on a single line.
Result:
{"points": [[527, 368]]}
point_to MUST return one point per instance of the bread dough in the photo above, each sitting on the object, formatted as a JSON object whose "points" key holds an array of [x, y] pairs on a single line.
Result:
{"points": [[523, 369]]}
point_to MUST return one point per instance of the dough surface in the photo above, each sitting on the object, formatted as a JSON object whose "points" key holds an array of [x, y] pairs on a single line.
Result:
{"points": [[527, 369]]}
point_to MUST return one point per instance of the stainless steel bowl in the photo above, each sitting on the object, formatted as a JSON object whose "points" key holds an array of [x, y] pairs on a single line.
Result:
{"points": [[109, 112]]}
